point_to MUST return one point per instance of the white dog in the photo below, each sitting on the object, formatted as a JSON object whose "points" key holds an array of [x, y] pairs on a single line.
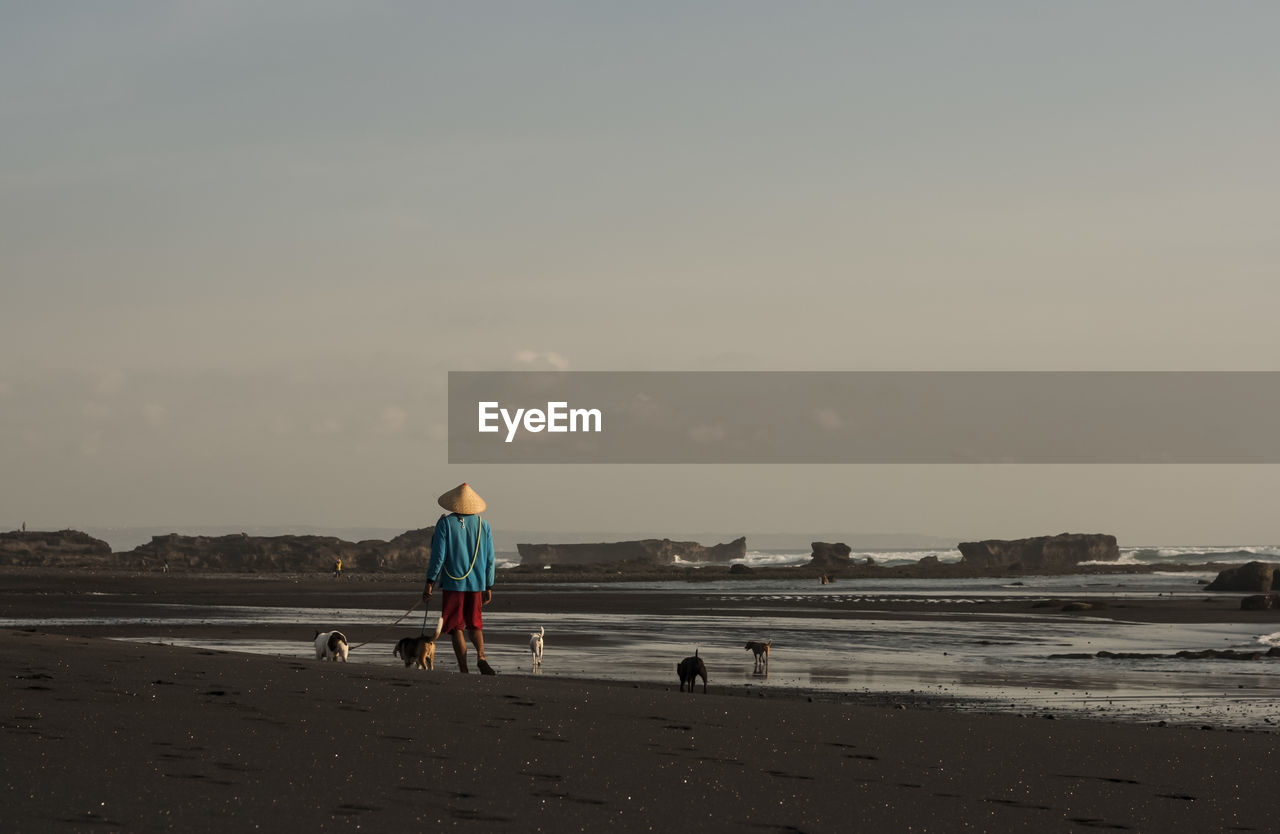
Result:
{"points": [[535, 644], [331, 645]]}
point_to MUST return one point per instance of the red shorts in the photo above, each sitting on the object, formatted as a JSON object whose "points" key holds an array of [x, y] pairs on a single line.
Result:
{"points": [[460, 609]]}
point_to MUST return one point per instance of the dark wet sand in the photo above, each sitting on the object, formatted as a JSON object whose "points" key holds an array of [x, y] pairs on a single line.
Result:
{"points": [[106, 735], [28, 592]]}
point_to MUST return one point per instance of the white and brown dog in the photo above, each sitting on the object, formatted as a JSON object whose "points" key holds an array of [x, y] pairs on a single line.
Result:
{"points": [[535, 645], [331, 645]]}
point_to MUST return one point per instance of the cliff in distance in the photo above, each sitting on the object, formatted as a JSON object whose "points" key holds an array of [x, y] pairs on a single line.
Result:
{"points": [[236, 553], [648, 552], [53, 548], [408, 551], [1042, 553]]}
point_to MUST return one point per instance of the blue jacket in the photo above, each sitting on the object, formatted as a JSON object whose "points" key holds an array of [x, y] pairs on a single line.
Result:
{"points": [[456, 562]]}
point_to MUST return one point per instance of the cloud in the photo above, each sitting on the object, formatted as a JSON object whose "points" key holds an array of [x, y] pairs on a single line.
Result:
{"points": [[109, 383], [392, 420], [713, 433], [828, 419], [155, 415], [91, 443], [281, 425], [327, 426], [95, 411], [549, 359]]}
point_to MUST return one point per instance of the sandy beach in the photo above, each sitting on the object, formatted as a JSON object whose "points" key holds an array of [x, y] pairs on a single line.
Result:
{"points": [[101, 733]]}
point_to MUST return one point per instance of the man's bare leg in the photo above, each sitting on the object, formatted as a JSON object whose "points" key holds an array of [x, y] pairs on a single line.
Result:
{"points": [[460, 649], [477, 637]]}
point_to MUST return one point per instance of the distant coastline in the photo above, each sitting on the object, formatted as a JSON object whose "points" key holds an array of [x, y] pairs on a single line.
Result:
{"points": [[124, 538]]}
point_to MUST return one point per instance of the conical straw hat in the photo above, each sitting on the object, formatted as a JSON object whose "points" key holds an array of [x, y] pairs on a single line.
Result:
{"points": [[462, 500]]}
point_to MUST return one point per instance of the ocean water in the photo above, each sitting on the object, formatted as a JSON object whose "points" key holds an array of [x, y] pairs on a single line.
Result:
{"points": [[1151, 556]]}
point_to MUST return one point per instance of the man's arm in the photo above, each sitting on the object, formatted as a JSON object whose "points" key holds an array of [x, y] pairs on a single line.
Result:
{"points": [[437, 559], [486, 533]]}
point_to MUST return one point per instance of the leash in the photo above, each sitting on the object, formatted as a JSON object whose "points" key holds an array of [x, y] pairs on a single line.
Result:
{"points": [[393, 625]]}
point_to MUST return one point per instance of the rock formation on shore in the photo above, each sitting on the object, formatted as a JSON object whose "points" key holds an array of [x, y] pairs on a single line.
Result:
{"points": [[1253, 577], [408, 551], [827, 555], [1042, 553], [649, 552], [70, 548]]}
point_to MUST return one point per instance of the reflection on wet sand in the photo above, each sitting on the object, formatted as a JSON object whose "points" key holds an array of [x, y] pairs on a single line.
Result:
{"points": [[819, 676]]}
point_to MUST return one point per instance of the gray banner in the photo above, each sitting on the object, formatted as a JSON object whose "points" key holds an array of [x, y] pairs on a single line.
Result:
{"points": [[864, 417]]}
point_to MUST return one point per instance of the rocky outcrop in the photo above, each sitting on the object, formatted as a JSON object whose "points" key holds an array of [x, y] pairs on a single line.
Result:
{"points": [[70, 548], [828, 555], [1253, 577], [655, 552], [1040, 554], [408, 551], [1260, 602]]}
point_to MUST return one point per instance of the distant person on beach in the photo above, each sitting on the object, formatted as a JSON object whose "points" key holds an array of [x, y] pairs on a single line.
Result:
{"points": [[462, 550], [337, 568]]}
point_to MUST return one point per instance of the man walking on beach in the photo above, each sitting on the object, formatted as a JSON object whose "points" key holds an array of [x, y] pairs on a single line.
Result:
{"points": [[462, 549]]}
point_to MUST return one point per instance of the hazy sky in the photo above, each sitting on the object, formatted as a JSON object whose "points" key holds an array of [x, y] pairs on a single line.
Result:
{"points": [[242, 244]]}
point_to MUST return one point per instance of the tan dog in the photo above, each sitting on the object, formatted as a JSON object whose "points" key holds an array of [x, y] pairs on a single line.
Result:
{"points": [[420, 649], [762, 654]]}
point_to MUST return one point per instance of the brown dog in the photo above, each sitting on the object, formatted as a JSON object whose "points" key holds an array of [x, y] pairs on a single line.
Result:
{"points": [[762, 654], [421, 649], [690, 669]]}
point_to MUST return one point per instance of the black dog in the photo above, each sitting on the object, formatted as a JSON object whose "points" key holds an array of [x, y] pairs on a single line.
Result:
{"points": [[690, 669]]}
